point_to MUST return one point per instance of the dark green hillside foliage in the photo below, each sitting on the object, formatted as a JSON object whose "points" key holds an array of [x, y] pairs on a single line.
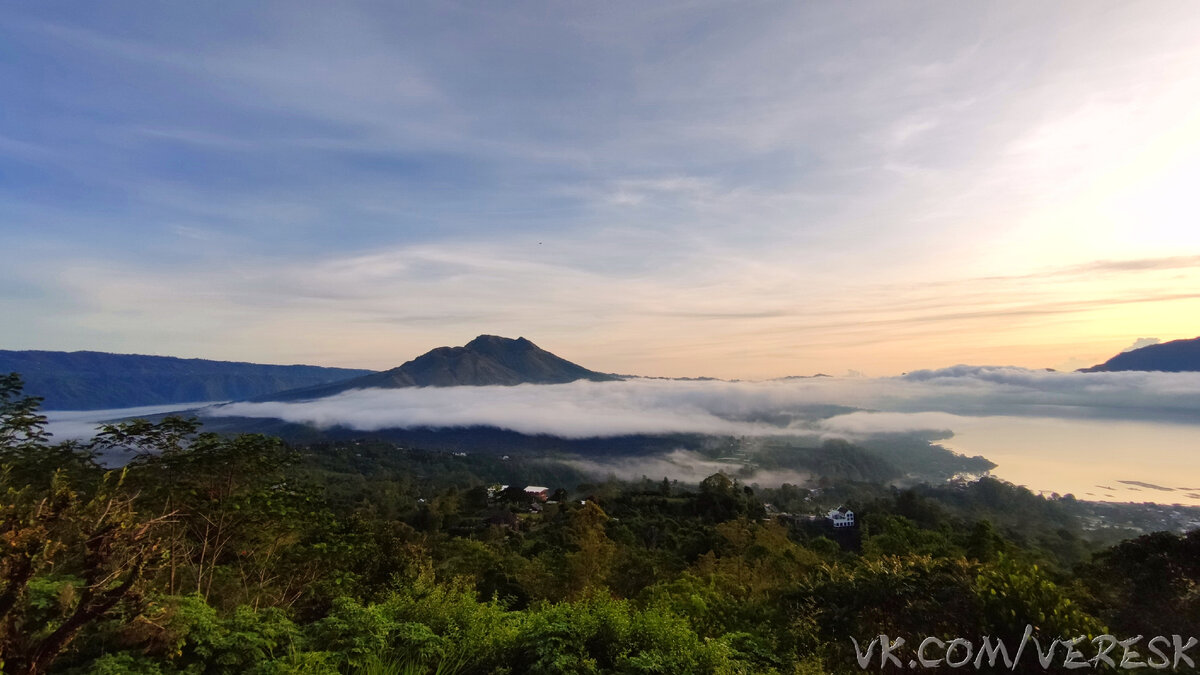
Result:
{"points": [[1150, 582], [240, 554], [905, 459]]}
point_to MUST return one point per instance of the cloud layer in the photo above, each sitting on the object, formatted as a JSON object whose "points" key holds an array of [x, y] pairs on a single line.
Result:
{"points": [[1067, 432], [923, 400], [81, 424]]}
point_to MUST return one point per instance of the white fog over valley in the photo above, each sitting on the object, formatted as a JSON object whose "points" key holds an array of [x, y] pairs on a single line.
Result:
{"points": [[1123, 436]]}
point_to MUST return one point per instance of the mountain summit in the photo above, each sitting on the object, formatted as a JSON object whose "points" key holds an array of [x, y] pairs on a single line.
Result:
{"points": [[486, 360], [1175, 356]]}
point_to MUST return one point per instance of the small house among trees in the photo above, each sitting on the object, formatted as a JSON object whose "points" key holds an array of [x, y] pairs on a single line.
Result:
{"points": [[538, 492]]}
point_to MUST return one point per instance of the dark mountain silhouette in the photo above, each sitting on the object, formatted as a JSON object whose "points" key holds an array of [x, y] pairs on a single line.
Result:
{"points": [[99, 380], [486, 360], [1175, 356]]}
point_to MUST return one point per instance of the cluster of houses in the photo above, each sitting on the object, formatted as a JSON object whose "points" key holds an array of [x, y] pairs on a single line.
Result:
{"points": [[506, 518]]}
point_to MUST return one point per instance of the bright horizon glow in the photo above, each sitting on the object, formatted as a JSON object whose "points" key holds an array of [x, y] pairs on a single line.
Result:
{"points": [[697, 189]]}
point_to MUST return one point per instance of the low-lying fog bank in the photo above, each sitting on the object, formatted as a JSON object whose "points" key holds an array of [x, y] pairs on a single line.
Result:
{"points": [[1101, 436]]}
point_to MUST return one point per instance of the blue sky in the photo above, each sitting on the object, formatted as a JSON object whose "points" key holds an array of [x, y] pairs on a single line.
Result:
{"points": [[734, 189]]}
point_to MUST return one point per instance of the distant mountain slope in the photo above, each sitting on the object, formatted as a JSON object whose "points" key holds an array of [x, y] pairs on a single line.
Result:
{"points": [[98, 380], [1174, 357], [486, 360]]}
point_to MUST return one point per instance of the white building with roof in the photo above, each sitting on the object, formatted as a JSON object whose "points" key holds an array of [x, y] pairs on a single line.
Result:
{"points": [[540, 493], [841, 517]]}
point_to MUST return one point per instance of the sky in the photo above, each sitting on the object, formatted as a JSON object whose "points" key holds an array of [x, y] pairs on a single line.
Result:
{"points": [[740, 190]]}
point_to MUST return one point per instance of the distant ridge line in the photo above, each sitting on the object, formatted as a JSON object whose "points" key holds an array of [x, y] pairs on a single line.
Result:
{"points": [[91, 380], [1176, 356]]}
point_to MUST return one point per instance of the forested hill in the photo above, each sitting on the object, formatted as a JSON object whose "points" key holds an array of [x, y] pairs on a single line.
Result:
{"points": [[98, 380], [1176, 356]]}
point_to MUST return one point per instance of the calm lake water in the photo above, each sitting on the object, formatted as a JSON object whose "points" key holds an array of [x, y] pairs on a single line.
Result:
{"points": [[1101, 460]]}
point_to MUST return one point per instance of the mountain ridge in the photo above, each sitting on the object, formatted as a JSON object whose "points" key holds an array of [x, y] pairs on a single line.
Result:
{"points": [[94, 380], [1176, 356], [488, 360]]}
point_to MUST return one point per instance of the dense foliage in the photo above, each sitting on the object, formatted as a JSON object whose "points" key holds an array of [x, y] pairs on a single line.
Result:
{"points": [[238, 554]]}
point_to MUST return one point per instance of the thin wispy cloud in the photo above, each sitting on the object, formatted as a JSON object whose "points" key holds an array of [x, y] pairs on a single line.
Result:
{"points": [[683, 465], [694, 188], [751, 318]]}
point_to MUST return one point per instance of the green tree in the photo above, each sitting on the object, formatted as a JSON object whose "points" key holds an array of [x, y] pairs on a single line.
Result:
{"points": [[588, 565], [75, 532]]}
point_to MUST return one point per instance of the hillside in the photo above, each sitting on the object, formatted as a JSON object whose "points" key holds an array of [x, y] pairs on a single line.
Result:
{"points": [[97, 380], [1175, 356], [486, 360]]}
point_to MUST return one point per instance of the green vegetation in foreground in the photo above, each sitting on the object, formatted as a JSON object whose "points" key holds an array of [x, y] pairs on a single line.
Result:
{"points": [[212, 554]]}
